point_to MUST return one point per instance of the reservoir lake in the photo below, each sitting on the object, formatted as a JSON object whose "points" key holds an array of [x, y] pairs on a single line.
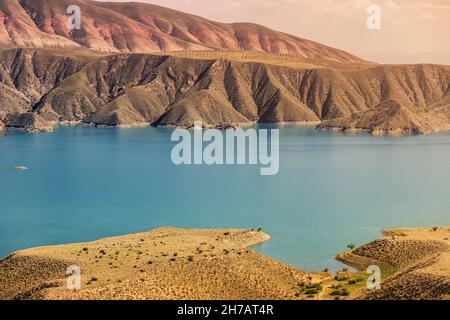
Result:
{"points": [[332, 189]]}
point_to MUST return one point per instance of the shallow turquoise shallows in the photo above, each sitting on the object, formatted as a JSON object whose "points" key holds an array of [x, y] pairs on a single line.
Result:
{"points": [[332, 189]]}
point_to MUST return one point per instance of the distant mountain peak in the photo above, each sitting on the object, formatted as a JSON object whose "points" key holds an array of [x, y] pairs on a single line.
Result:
{"points": [[143, 28]]}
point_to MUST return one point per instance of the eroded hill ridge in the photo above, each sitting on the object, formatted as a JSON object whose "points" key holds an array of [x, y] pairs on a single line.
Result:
{"points": [[142, 28], [137, 64], [41, 87]]}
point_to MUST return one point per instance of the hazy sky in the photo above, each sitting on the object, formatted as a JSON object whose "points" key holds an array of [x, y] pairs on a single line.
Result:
{"points": [[412, 31]]}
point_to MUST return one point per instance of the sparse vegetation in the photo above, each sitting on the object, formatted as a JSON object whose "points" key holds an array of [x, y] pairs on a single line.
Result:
{"points": [[310, 289], [354, 281], [340, 277], [342, 292]]}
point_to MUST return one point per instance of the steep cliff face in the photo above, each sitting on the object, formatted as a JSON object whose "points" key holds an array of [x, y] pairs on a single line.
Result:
{"points": [[141, 28], [26, 75], [142, 89]]}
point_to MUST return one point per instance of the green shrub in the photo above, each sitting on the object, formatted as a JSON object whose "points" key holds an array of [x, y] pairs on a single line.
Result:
{"points": [[354, 281], [340, 278], [311, 291], [340, 292]]}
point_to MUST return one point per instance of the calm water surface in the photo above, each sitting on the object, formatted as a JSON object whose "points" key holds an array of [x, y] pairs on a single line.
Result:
{"points": [[332, 189]]}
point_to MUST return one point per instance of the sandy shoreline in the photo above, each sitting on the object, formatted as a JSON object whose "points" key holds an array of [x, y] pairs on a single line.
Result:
{"points": [[171, 264]]}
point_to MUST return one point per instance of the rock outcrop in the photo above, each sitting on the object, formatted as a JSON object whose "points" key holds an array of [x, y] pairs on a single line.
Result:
{"points": [[29, 122], [389, 117], [143, 89]]}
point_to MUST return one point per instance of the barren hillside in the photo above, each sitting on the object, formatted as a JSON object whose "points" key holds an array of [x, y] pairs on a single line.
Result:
{"points": [[142, 28], [143, 89], [414, 263]]}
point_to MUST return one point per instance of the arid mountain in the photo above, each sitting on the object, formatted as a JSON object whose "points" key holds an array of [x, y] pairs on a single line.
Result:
{"points": [[139, 64], [142, 28], [143, 89]]}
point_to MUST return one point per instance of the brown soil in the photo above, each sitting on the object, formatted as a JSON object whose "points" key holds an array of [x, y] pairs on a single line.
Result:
{"points": [[171, 263], [167, 263]]}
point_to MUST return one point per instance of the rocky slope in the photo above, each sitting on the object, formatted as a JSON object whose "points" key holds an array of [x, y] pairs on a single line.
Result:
{"points": [[143, 89], [141, 28], [28, 121], [216, 73]]}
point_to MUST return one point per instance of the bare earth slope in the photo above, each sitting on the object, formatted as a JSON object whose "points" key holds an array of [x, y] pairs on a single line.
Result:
{"points": [[172, 263], [167, 263], [142, 28], [416, 261], [173, 90]]}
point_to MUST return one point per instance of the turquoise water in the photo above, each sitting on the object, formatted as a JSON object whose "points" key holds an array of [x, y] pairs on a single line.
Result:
{"points": [[332, 189]]}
